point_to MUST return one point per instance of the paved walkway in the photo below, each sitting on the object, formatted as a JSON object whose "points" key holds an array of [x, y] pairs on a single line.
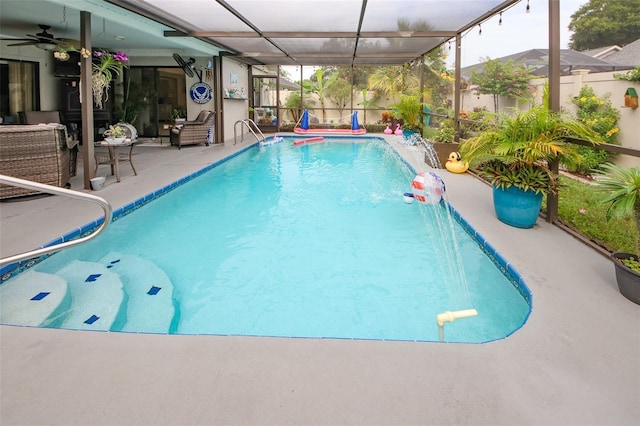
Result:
{"points": [[575, 362]]}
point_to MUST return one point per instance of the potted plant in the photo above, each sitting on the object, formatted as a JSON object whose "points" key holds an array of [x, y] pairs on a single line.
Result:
{"points": [[514, 155], [622, 189], [178, 113], [115, 134], [444, 141]]}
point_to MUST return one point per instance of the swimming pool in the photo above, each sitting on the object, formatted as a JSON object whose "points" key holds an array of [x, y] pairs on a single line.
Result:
{"points": [[307, 241]]}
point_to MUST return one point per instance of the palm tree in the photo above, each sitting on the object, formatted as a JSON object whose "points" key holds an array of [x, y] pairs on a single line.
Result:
{"points": [[319, 87], [368, 103], [390, 81]]}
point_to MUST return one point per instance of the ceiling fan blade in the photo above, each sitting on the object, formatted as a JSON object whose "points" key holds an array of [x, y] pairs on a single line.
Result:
{"points": [[25, 43], [41, 36], [16, 39], [69, 43]]}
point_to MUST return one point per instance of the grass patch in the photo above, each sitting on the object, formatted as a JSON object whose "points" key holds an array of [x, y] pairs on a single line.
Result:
{"points": [[580, 207]]}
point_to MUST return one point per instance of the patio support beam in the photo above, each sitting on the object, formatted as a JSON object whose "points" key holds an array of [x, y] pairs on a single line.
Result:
{"points": [[86, 98], [456, 88], [554, 91], [218, 104]]}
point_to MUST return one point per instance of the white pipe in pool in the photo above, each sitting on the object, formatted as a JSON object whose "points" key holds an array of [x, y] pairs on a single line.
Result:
{"points": [[449, 316]]}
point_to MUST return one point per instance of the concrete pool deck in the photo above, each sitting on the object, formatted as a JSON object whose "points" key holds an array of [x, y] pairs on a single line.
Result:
{"points": [[575, 362]]}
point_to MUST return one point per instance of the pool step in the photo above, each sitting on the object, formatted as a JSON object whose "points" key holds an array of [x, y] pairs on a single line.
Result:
{"points": [[149, 308], [96, 296], [33, 299]]}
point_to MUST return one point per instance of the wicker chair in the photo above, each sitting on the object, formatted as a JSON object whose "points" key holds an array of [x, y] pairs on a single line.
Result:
{"points": [[48, 117], [38, 153], [193, 132]]}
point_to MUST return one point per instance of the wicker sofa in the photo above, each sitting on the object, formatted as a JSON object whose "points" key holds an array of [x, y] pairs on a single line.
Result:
{"points": [[39, 153], [193, 132], [50, 117]]}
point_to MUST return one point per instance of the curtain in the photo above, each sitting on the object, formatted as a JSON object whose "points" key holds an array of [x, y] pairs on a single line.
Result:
{"points": [[21, 87]]}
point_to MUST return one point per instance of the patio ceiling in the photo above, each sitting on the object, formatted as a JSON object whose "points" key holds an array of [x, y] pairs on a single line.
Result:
{"points": [[313, 32], [270, 32]]}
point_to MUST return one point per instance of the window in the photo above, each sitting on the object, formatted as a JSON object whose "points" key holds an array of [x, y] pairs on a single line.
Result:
{"points": [[19, 89]]}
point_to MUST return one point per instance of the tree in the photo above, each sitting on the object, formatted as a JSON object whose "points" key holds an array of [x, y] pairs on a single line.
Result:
{"points": [[319, 87], [499, 78], [368, 103], [602, 23], [295, 104], [393, 80], [339, 92]]}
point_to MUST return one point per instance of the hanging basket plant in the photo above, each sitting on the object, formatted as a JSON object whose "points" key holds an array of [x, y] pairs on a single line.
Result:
{"points": [[105, 67]]}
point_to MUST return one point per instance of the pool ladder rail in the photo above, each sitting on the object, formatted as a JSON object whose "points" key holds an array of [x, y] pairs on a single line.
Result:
{"points": [[250, 125], [22, 183]]}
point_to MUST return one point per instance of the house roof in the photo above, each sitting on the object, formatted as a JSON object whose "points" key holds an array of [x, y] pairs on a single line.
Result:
{"points": [[537, 60], [602, 52], [628, 55]]}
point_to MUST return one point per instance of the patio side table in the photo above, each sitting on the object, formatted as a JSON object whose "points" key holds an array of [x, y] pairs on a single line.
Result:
{"points": [[114, 156]]}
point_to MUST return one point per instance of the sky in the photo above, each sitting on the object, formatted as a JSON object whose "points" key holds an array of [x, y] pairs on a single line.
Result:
{"points": [[520, 31]]}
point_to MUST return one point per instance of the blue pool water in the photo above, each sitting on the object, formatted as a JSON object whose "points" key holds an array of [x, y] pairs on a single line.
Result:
{"points": [[303, 241]]}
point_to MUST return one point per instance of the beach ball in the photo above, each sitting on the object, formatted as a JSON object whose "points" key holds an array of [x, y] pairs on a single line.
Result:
{"points": [[427, 188]]}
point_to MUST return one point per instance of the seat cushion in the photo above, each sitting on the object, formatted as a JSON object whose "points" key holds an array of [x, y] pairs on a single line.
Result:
{"points": [[202, 116]]}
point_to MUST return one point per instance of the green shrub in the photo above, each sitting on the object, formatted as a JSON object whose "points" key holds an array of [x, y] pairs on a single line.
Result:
{"points": [[602, 117]]}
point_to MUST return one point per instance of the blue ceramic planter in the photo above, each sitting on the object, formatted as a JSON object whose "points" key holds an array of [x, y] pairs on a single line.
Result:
{"points": [[516, 207]]}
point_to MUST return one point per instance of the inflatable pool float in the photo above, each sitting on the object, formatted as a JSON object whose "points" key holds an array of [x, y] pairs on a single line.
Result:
{"points": [[304, 127], [307, 140]]}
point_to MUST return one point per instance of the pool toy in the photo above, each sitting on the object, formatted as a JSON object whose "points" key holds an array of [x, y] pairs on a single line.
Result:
{"points": [[304, 127], [455, 165], [427, 188], [388, 130], [271, 141], [398, 130], [408, 197], [308, 140]]}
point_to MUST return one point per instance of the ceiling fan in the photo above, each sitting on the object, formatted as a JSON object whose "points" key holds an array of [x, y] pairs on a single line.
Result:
{"points": [[46, 41]]}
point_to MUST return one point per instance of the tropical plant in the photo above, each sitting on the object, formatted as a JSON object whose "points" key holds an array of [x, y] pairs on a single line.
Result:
{"points": [[621, 187], [409, 109], [115, 132], [105, 67], [178, 112], [296, 103], [394, 80], [368, 103], [445, 134], [319, 87], [517, 150]]}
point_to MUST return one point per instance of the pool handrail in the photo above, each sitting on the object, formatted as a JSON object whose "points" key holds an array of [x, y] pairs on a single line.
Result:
{"points": [[247, 122], [22, 183]]}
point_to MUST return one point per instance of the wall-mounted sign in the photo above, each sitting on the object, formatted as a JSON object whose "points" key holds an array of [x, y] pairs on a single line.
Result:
{"points": [[201, 93]]}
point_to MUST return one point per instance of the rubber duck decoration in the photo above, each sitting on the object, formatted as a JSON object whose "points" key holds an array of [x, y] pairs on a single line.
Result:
{"points": [[398, 131], [388, 130], [455, 165]]}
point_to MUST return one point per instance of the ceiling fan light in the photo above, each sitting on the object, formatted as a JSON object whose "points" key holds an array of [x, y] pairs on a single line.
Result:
{"points": [[46, 46]]}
